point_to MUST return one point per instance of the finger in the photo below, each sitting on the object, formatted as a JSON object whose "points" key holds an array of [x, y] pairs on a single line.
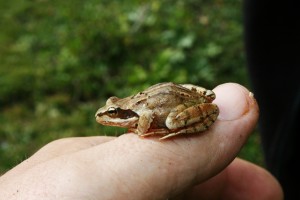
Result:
{"points": [[70, 145], [240, 180], [58, 148], [248, 180], [162, 169]]}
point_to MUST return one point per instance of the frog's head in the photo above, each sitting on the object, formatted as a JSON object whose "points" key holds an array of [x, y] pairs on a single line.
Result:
{"points": [[113, 115]]}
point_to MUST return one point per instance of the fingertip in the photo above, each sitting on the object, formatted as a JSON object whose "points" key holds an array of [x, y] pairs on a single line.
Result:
{"points": [[234, 101], [240, 180], [246, 179]]}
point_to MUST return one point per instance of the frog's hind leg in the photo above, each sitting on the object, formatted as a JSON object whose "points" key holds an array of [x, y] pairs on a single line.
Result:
{"points": [[184, 115], [195, 128], [209, 94]]}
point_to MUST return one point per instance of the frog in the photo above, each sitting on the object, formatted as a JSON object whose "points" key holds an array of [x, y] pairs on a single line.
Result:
{"points": [[164, 109]]}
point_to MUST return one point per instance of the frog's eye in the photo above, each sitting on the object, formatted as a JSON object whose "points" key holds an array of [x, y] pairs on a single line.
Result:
{"points": [[112, 111]]}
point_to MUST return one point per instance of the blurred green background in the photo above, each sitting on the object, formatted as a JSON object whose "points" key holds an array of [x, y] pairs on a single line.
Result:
{"points": [[60, 61]]}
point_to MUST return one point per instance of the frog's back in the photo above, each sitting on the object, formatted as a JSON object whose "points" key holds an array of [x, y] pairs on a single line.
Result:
{"points": [[172, 91], [161, 97], [169, 95]]}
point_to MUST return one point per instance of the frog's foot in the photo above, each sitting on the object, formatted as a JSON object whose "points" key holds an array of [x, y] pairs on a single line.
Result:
{"points": [[153, 132]]}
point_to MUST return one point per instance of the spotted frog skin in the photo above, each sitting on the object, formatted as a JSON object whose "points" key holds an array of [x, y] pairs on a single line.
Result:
{"points": [[165, 109]]}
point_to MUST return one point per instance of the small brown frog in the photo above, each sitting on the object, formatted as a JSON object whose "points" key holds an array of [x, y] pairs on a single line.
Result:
{"points": [[166, 109]]}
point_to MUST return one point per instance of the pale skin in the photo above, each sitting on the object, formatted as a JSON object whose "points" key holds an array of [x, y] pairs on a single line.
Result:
{"points": [[198, 166]]}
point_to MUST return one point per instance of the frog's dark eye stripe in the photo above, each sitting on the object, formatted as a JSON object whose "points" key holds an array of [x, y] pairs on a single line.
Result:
{"points": [[112, 111], [120, 113]]}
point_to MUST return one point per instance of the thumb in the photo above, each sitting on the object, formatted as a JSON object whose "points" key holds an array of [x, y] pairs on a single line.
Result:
{"points": [[152, 169]]}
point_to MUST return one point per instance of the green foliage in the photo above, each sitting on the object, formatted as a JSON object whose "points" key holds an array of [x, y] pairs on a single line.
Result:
{"points": [[61, 59]]}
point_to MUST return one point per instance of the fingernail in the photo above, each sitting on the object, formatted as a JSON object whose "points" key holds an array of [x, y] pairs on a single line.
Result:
{"points": [[233, 101]]}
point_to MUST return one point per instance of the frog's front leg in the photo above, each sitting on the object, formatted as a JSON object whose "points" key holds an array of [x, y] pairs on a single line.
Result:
{"points": [[144, 122], [191, 119]]}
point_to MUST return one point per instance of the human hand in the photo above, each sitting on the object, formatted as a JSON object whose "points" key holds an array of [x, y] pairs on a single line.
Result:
{"points": [[198, 166]]}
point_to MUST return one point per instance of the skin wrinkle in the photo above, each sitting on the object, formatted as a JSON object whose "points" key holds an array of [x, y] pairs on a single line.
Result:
{"points": [[170, 150], [183, 146], [173, 164], [88, 170], [164, 162], [130, 173], [205, 137], [188, 168], [123, 189], [39, 192]]}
